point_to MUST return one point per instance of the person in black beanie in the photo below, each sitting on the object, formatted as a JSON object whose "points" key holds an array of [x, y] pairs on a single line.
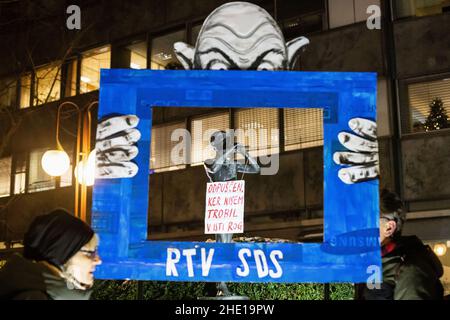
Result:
{"points": [[58, 261]]}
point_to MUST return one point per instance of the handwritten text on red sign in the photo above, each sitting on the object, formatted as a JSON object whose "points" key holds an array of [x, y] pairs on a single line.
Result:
{"points": [[225, 207]]}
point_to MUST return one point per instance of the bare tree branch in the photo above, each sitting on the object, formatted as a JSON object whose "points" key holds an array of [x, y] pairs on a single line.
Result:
{"points": [[11, 120]]}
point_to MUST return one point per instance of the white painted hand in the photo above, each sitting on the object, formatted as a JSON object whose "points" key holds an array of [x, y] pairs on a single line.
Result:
{"points": [[116, 147], [361, 163]]}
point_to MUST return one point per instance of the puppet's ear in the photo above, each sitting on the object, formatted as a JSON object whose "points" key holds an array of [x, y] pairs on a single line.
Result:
{"points": [[185, 54], [293, 47]]}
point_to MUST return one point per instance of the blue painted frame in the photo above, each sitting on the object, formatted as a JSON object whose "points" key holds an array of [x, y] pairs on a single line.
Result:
{"points": [[120, 207]]}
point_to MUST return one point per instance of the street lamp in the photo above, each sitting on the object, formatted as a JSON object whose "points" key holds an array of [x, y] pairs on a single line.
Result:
{"points": [[57, 162]]}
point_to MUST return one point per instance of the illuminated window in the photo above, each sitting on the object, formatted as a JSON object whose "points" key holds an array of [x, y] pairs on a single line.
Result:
{"points": [[162, 148], [162, 55], [303, 128], [91, 63], [38, 180], [7, 93], [138, 55], [71, 79], [421, 95], [133, 55], [258, 130], [5, 177], [20, 173], [407, 8], [47, 85], [201, 129], [25, 90]]}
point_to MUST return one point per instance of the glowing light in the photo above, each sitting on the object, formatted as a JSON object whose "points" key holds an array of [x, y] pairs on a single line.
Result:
{"points": [[85, 79], [85, 170], [55, 162], [135, 65], [163, 56], [440, 249]]}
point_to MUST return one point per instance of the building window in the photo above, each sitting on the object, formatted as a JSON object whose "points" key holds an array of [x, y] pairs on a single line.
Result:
{"points": [[201, 130], [25, 90], [258, 130], [138, 55], [419, 8], [39, 180], [421, 96], [383, 118], [301, 25], [303, 128], [162, 55], [47, 84], [162, 146], [345, 12], [5, 177], [297, 18], [20, 173], [132, 55], [8, 88], [91, 63], [71, 79]]}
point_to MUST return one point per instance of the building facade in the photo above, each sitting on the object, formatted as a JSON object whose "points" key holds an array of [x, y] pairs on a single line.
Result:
{"points": [[44, 64]]}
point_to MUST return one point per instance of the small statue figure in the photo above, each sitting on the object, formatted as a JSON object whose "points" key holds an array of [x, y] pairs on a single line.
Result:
{"points": [[224, 167]]}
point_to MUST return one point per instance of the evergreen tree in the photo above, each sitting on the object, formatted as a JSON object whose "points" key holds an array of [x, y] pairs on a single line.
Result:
{"points": [[437, 119]]}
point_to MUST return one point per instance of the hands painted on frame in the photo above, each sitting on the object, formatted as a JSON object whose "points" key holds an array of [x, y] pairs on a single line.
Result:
{"points": [[117, 137], [116, 147], [361, 163]]}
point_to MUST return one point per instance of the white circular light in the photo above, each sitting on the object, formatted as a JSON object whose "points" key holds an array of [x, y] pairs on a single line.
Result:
{"points": [[85, 170], [55, 162], [440, 249]]}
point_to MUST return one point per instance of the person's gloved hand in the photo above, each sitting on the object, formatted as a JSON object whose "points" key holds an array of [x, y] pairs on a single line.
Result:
{"points": [[116, 147], [361, 164]]}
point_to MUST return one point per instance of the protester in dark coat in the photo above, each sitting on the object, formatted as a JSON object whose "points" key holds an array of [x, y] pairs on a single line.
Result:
{"points": [[411, 270], [59, 258]]}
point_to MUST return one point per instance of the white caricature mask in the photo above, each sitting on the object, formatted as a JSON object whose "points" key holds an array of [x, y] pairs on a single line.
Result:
{"points": [[240, 35]]}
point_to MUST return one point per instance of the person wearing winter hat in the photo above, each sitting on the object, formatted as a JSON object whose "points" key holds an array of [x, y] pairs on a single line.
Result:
{"points": [[411, 270], [58, 261]]}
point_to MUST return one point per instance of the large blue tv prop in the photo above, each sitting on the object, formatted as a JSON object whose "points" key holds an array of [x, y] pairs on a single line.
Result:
{"points": [[120, 207]]}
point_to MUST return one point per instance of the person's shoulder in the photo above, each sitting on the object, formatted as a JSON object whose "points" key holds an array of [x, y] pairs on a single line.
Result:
{"points": [[421, 256], [410, 245], [409, 241]]}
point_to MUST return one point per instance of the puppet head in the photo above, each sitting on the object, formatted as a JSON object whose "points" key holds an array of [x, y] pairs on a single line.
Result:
{"points": [[240, 36]]}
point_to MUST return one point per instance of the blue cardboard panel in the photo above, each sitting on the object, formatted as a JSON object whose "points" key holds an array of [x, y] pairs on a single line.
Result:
{"points": [[120, 207]]}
